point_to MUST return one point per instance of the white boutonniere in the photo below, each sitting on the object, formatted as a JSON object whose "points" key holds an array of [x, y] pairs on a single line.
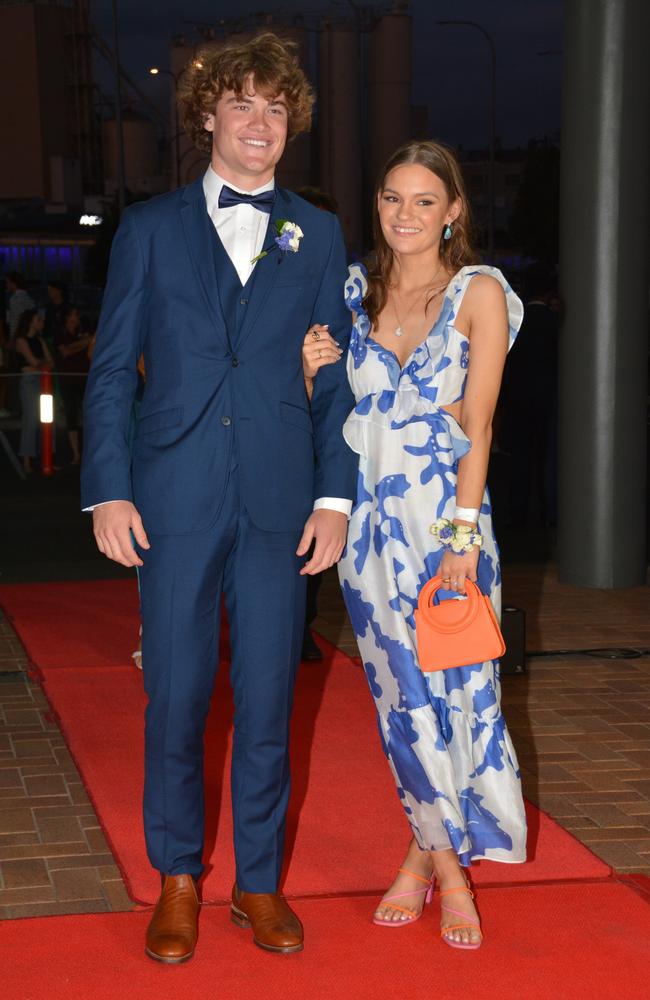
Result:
{"points": [[288, 238]]}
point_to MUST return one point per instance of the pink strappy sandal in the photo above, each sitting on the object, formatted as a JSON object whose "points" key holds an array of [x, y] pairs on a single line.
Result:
{"points": [[412, 915], [467, 924]]}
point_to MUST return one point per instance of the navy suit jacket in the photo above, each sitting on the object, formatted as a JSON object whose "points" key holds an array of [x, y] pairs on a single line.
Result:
{"points": [[223, 371]]}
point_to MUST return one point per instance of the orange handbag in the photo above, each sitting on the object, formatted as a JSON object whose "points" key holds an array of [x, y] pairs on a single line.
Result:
{"points": [[456, 633]]}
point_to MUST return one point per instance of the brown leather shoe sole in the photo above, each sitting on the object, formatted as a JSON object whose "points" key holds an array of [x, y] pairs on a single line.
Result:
{"points": [[169, 961], [241, 920]]}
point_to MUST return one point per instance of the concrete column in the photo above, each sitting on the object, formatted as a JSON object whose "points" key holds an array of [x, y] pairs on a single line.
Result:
{"points": [[604, 270], [389, 89], [339, 127]]}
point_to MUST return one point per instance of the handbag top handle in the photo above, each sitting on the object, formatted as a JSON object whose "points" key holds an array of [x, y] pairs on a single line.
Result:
{"points": [[452, 615]]}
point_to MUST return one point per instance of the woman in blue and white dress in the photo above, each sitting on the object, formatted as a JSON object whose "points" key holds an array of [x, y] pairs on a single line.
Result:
{"points": [[429, 341]]}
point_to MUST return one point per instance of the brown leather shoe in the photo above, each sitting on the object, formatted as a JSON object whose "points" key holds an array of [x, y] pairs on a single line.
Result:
{"points": [[173, 930], [275, 926]]}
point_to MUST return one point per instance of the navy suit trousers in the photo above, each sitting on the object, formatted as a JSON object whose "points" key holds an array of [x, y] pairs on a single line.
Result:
{"points": [[182, 581]]}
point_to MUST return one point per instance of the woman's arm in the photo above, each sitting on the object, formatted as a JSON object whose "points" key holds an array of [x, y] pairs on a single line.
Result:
{"points": [[485, 308], [33, 364], [76, 347], [47, 355]]}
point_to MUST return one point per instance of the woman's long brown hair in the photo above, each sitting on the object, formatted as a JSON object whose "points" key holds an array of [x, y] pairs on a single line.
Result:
{"points": [[455, 253]]}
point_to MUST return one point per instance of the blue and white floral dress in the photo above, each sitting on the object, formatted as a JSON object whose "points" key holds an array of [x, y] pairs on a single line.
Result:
{"points": [[443, 733]]}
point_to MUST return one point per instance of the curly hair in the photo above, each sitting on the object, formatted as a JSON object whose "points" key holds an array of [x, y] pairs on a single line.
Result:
{"points": [[272, 62], [454, 253]]}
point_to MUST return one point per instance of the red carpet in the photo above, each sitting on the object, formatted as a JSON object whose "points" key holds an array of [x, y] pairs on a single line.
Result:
{"points": [[346, 829], [570, 942], [342, 792], [545, 939], [75, 624]]}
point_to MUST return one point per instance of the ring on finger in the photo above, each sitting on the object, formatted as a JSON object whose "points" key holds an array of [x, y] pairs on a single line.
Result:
{"points": [[316, 335]]}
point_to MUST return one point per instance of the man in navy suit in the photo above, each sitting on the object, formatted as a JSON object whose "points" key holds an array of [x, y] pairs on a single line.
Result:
{"points": [[232, 475]]}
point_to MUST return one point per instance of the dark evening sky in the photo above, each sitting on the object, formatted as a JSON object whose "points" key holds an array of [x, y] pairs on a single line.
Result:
{"points": [[450, 65]]}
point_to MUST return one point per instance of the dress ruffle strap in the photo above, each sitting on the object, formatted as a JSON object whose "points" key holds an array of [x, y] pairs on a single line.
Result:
{"points": [[460, 283]]}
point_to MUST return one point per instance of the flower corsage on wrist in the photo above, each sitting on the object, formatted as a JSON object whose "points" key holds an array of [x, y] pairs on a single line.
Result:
{"points": [[456, 538]]}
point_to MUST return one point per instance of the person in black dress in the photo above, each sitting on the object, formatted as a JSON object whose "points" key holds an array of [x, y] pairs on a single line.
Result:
{"points": [[35, 358], [71, 346]]}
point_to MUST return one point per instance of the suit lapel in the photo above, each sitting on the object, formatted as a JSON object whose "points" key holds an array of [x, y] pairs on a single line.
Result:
{"points": [[266, 270], [197, 228]]}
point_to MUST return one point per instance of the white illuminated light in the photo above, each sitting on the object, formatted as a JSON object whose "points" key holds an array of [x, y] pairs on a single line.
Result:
{"points": [[91, 220], [47, 408]]}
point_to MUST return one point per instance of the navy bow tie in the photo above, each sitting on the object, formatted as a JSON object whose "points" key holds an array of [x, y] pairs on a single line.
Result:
{"points": [[263, 201]]}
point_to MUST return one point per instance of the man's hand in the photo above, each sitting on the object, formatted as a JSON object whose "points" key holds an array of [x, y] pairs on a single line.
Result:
{"points": [[112, 525], [329, 528]]}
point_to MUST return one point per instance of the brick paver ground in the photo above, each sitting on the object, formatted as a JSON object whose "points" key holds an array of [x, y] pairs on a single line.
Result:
{"points": [[581, 727], [53, 855]]}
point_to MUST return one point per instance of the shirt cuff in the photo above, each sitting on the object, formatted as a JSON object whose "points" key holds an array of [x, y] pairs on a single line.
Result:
{"points": [[334, 503], [323, 503], [89, 510]]}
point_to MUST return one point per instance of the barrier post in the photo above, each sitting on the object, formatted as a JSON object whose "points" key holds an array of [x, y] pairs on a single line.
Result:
{"points": [[47, 419]]}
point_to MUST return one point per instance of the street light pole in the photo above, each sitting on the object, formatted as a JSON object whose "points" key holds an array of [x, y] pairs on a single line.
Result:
{"points": [[156, 71], [493, 106]]}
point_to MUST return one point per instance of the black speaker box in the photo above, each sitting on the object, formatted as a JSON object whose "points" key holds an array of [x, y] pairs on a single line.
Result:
{"points": [[513, 629]]}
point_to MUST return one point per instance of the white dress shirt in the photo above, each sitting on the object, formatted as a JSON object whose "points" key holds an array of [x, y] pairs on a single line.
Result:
{"points": [[242, 230]]}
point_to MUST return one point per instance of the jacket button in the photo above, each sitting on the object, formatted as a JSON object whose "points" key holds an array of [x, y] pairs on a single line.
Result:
{"points": [[243, 302], [235, 362], [225, 421]]}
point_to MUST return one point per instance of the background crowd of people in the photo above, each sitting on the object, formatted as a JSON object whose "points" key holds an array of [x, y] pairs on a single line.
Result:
{"points": [[43, 332]]}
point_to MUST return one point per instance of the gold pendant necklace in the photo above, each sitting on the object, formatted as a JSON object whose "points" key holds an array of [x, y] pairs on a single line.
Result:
{"points": [[399, 330]]}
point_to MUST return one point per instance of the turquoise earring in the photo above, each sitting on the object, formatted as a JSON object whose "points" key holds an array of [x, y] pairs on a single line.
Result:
{"points": [[447, 232]]}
